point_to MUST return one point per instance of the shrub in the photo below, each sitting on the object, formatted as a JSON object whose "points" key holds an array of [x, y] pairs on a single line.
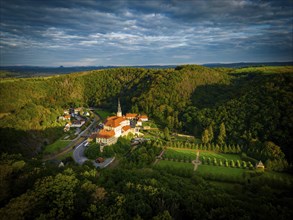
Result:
{"points": [[232, 163]]}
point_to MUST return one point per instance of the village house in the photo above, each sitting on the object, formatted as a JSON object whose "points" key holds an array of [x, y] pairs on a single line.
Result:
{"points": [[106, 137], [143, 118], [131, 116], [92, 137], [67, 127], [139, 122], [77, 123]]}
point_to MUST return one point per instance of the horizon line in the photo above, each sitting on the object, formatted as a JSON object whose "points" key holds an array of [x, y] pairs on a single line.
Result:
{"points": [[142, 65]]}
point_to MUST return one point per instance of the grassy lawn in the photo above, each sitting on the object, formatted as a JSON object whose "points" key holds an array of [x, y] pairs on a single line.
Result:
{"points": [[166, 163], [149, 123], [56, 146], [221, 156], [103, 113], [204, 170], [62, 157], [180, 153], [191, 153]]}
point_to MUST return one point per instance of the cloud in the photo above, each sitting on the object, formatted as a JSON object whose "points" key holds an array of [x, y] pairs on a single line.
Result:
{"points": [[81, 62], [144, 32]]}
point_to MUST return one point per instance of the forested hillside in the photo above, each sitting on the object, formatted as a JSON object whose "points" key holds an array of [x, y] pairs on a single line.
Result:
{"points": [[31, 190], [253, 104]]}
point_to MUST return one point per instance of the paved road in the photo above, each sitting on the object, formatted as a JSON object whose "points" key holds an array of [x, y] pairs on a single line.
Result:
{"points": [[73, 142], [78, 153], [80, 158]]}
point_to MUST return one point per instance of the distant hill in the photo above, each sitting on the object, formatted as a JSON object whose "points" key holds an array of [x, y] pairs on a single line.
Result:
{"points": [[254, 103], [32, 71], [250, 64]]}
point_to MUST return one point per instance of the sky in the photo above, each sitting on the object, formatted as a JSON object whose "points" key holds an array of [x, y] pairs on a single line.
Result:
{"points": [[133, 32]]}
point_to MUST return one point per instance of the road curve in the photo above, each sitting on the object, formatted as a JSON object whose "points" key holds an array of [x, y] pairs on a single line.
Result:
{"points": [[78, 153]]}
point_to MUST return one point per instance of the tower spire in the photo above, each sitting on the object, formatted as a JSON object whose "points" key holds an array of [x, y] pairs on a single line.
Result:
{"points": [[119, 112]]}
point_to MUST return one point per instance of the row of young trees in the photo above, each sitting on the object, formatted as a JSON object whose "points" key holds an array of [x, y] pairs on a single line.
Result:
{"points": [[208, 135], [227, 163], [234, 149]]}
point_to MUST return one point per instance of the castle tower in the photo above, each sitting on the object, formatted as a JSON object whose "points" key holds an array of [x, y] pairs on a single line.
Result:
{"points": [[119, 112]]}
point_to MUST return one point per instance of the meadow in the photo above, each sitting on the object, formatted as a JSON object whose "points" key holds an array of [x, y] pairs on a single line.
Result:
{"points": [[180, 165], [205, 170], [219, 156], [56, 146], [103, 113], [179, 153]]}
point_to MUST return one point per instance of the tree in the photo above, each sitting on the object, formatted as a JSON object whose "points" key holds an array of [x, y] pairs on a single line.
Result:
{"points": [[232, 163], [205, 136], [211, 133], [273, 150], [222, 134], [163, 216], [166, 134]]}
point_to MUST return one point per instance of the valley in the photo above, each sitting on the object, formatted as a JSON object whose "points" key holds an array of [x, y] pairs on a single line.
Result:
{"points": [[184, 142]]}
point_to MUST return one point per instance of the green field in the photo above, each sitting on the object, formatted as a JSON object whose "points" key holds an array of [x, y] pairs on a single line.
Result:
{"points": [[204, 170], [166, 163], [56, 146], [103, 113], [177, 153], [180, 153], [218, 156], [64, 156]]}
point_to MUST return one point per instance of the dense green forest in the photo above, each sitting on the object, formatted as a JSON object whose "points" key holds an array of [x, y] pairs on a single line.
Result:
{"points": [[30, 189], [247, 110], [254, 105]]}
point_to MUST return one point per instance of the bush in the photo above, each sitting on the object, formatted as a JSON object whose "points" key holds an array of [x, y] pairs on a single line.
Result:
{"points": [[232, 163]]}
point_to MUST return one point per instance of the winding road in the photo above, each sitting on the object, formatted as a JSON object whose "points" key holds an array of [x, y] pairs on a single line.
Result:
{"points": [[80, 158], [78, 153], [76, 141]]}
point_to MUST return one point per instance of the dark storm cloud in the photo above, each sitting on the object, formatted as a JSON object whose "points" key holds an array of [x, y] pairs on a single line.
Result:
{"points": [[89, 32]]}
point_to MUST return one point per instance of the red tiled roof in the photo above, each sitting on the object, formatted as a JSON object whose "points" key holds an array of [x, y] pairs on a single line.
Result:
{"points": [[114, 121], [131, 115], [143, 116], [67, 116], [125, 128], [105, 133]]}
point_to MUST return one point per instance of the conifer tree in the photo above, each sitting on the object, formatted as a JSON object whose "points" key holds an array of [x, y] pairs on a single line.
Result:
{"points": [[222, 134], [205, 136], [210, 133]]}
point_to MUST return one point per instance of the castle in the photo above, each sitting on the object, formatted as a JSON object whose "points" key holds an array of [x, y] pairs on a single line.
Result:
{"points": [[119, 125]]}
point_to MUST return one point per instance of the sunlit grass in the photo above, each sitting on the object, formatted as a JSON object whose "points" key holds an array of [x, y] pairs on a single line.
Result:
{"points": [[218, 156], [220, 170], [166, 163], [103, 113], [191, 153], [56, 146]]}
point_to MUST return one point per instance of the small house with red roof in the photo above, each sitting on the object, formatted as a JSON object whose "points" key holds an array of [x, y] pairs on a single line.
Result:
{"points": [[143, 118], [106, 137], [131, 116]]}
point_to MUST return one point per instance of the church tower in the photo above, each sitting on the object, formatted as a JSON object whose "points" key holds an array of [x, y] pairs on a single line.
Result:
{"points": [[119, 112]]}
